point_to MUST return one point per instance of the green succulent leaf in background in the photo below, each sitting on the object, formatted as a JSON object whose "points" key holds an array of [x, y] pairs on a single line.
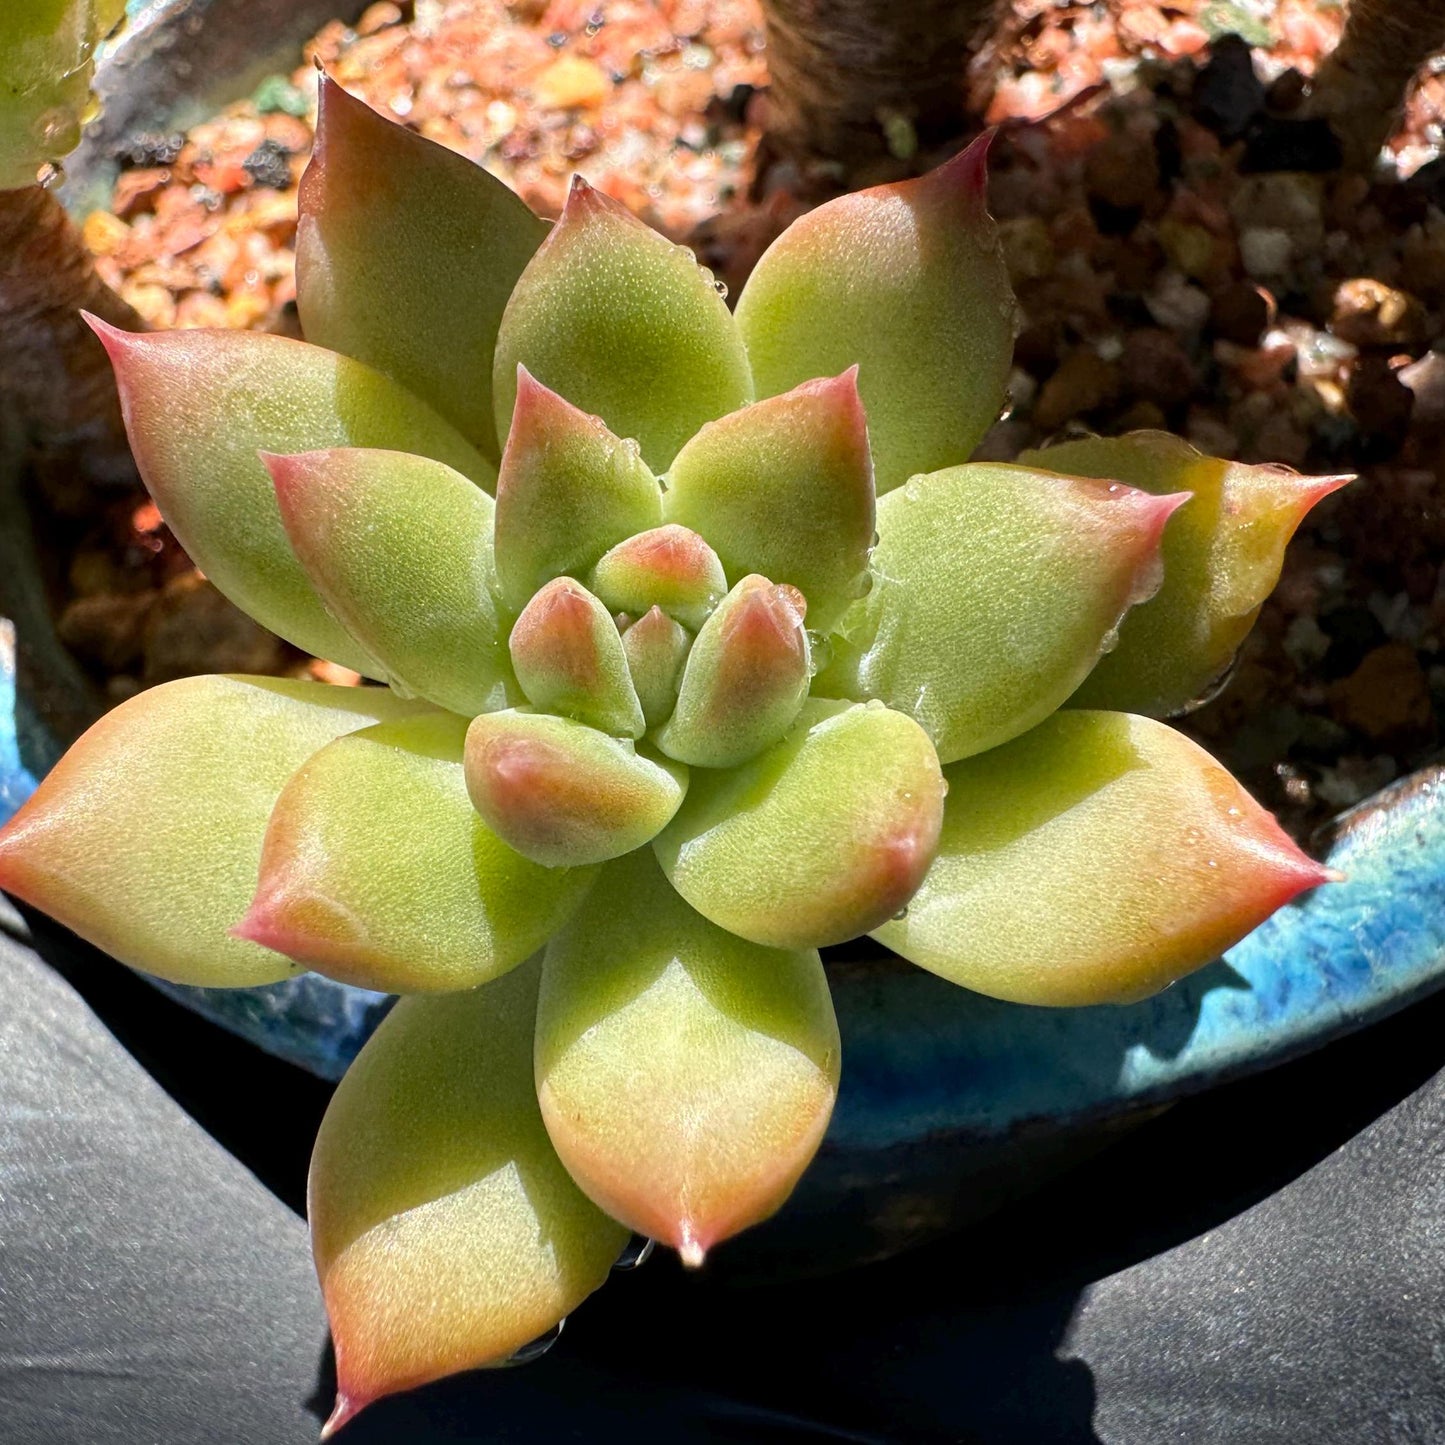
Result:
{"points": [[707, 647]]}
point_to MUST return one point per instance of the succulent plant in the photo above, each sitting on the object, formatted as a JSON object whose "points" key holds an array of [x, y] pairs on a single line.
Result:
{"points": [[707, 647], [45, 69]]}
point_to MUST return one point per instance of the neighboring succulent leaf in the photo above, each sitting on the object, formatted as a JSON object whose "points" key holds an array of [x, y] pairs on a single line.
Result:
{"points": [[377, 870], [406, 254], [569, 659], [446, 1231], [997, 589], [199, 408], [399, 548], [745, 680], [567, 490], [686, 1076], [656, 648], [907, 281], [1094, 860], [563, 793], [667, 567], [1222, 556], [145, 837], [625, 324], [817, 840], [785, 487]]}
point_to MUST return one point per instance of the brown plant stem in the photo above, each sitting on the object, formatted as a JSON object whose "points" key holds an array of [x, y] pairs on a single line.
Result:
{"points": [[852, 80], [1361, 88], [54, 376]]}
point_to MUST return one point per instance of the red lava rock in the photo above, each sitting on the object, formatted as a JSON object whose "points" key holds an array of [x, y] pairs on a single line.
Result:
{"points": [[1369, 313], [1083, 382], [192, 629], [1154, 367], [1387, 697]]}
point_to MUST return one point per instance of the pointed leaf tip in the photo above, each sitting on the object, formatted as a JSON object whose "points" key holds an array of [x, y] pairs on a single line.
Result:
{"points": [[785, 488], [1095, 859], [670, 567], [686, 1076], [384, 212]]}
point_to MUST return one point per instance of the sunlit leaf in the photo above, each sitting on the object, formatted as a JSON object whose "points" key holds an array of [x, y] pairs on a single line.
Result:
{"points": [[686, 1076], [200, 406], [996, 589], [446, 1231], [785, 488], [567, 491], [406, 254], [399, 548], [907, 282], [1222, 556], [145, 838], [625, 324], [1094, 860], [656, 647], [563, 793], [820, 838], [377, 870]]}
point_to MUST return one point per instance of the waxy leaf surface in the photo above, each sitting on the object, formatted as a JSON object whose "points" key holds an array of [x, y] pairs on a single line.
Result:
{"points": [[563, 793], [656, 647], [1094, 860], [686, 1076], [745, 679], [785, 488], [568, 490], [669, 567], [399, 548], [1222, 555], [377, 870], [625, 324], [996, 589], [200, 407], [406, 254], [146, 836], [568, 658], [907, 282], [820, 838], [446, 1231]]}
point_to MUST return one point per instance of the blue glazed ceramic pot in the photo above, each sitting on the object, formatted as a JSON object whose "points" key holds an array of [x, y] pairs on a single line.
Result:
{"points": [[950, 1103]]}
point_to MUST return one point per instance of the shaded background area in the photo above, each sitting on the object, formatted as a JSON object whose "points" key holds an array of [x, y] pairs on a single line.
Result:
{"points": [[1262, 1264]]}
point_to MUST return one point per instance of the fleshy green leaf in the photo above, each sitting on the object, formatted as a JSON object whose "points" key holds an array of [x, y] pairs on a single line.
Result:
{"points": [[1222, 556], [686, 1077], [906, 281], [668, 567], [145, 837], [399, 548], [406, 254], [817, 840], [656, 648], [1094, 860], [745, 680], [200, 406], [569, 660], [377, 870], [567, 491], [563, 793], [625, 324], [785, 488], [446, 1231], [996, 589]]}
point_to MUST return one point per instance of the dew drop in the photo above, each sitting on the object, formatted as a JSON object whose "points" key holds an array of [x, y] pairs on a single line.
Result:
{"points": [[535, 1349], [1109, 641], [721, 287], [901, 914], [636, 1252]]}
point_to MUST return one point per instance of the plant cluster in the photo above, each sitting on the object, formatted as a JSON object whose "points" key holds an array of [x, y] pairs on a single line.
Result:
{"points": [[706, 648]]}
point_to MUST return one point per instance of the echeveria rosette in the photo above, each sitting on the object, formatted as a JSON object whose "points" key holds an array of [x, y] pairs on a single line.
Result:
{"points": [[731, 656]]}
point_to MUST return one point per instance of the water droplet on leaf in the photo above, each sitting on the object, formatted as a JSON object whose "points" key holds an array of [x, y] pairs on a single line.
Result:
{"points": [[535, 1349]]}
